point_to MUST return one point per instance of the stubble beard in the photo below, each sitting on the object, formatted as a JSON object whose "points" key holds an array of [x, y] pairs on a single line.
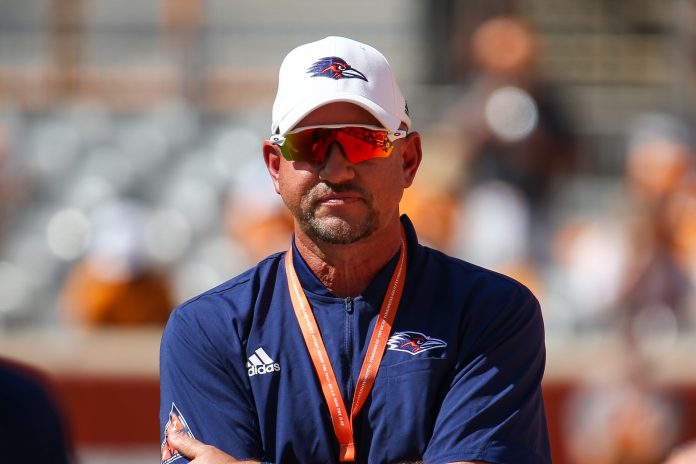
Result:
{"points": [[334, 229]]}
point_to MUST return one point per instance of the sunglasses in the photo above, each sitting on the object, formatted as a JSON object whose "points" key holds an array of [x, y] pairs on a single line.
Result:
{"points": [[359, 142]]}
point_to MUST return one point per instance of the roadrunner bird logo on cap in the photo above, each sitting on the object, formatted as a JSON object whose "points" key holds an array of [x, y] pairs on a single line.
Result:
{"points": [[334, 68]]}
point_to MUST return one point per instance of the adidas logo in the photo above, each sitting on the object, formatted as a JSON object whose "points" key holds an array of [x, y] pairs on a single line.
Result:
{"points": [[261, 363]]}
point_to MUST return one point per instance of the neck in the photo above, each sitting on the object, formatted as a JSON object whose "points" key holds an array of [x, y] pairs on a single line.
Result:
{"points": [[347, 270]]}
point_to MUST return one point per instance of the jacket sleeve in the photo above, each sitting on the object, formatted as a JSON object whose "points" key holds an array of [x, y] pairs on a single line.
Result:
{"points": [[493, 410], [204, 388]]}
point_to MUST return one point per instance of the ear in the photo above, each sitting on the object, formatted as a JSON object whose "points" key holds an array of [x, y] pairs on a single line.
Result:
{"points": [[271, 156], [412, 156]]}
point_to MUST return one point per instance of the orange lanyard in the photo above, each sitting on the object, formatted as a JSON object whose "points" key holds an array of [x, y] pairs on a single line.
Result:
{"points": [[343, 426]]}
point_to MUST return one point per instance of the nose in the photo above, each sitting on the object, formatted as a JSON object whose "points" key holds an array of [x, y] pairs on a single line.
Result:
{"points": [[336, 167]]}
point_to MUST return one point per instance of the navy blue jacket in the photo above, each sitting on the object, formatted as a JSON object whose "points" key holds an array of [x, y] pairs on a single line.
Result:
{"points": [[460, 379]]}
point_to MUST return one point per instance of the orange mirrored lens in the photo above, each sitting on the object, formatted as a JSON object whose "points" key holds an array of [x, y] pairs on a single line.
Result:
{"points": [[358, 143]]}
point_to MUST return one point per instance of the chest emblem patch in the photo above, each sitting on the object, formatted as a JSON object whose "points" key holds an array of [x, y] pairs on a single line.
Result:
{"points": [[413, 343]]}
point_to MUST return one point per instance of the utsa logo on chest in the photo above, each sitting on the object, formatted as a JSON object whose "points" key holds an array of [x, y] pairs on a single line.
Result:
{"points": [[414, 343]]}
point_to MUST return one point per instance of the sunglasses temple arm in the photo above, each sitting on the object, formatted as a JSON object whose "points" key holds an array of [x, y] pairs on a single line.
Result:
{"points": [[277, 140]]}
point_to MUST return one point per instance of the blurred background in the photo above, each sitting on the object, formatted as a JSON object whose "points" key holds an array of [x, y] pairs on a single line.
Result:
{"points": [[558, 149]]}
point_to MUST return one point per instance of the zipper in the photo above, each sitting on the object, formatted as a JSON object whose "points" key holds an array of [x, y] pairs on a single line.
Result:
{"points": [[348, 344], [349, 304]]}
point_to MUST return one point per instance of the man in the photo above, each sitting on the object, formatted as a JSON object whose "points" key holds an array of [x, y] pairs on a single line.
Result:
{"points": [[33, 428], [357, 344]]}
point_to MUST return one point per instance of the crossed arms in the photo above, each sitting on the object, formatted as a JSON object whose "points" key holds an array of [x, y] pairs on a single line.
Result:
{"points": [[200, 453]]}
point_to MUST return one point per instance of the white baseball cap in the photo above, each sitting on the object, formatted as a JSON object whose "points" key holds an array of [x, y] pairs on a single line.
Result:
{"points": [[336, 69]]}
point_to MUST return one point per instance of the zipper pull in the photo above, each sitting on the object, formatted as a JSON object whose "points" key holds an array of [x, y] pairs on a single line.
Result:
{"points": [[349, 304]]}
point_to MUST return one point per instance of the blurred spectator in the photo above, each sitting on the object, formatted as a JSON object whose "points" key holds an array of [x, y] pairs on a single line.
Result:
{"points": [[255, 216], [590, 259], [5, 189], [433, 211], [660, 155], [14, 184], [515, 152], [514, 126], [431, 202], [493, 230], [680, 215], [182, 19], [659, 175], [656, 276], [32, 428], [116, 284], [619, 418], [489, 226]]}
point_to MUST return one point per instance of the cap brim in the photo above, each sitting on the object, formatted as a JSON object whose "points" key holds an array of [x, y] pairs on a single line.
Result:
{"points": [[306, 106]]}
